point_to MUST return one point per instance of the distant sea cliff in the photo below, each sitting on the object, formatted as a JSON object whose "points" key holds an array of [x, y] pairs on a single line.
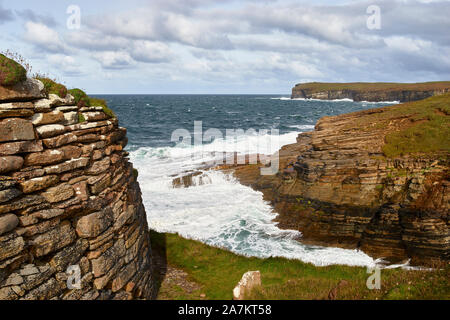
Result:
{"points": [[371, 92]]}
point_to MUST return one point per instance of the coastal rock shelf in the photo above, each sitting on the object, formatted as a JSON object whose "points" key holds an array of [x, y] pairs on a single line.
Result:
{"points": [[337, 186], [68, 199], [371, 92]]}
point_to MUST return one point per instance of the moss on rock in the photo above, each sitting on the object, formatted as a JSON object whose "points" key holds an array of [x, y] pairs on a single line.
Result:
{"points": [[11, 72], [81, 98], [102, 103], [52, 87]]}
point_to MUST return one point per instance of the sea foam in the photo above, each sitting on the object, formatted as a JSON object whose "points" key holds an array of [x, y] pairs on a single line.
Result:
{"points": [[222, 212]]}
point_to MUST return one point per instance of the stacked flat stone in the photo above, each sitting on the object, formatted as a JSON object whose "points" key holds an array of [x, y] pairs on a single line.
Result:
{"points": [[68, 197]]}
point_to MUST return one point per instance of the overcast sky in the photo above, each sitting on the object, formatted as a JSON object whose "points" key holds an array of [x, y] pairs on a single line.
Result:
{"points": [[219, 46]]}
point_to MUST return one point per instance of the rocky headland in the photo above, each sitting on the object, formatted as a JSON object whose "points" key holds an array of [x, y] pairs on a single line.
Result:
{"points": [[371, 92], [69, 199], [377, 180]]}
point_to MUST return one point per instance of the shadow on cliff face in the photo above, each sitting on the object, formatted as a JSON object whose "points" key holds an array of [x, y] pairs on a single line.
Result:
{"points": [[159, 255]]}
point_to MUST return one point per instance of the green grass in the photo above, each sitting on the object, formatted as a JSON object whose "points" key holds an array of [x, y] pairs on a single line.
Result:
{"points": [[81, 118], [375, 86], [217, 271], [81, 98], [52, 87], [11, 72], [430, 129], [417, 127], [102, 103]]}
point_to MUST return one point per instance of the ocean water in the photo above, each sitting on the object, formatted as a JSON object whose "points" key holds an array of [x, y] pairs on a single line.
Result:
{"points": [[220, 211]]}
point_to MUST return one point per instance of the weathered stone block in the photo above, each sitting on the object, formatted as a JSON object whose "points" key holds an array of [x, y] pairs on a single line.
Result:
{"points": [[101, 184], [81, 190], [53, 117], [94, 224], [49, 214], [53, 240], [71, 152], [44, 158], [16, 105], [10, 246], [24, 91], [104, 263], [16, 109], [48, 290], [8, 223], [9, 194], [50, 130], [99, 166], [28, 173], [59, 193], [13, 280], [22, 203], [70, 118], [60, 140], [38, 228], [8, 293], [70, 256], [123, 277], [7, 183], [16, 129], [68, 166], [12, 148], [40, 183], [10, 163], [95, 116]]}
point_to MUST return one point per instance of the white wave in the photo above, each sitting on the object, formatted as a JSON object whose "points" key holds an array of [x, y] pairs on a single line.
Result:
{"points": [[281, 98], [303, 127], [305, 99], [335, 100], [223, 212]]}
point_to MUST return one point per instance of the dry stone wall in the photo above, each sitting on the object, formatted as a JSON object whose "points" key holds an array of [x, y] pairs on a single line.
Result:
{"points": [[69, 202]]}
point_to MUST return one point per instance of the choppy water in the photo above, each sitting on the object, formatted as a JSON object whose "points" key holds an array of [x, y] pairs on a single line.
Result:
{"points": [[221, 212]]}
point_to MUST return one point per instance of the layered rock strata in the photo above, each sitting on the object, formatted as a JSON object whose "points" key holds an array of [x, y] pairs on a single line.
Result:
{"points": [[337, 187], [69, 202], [369, 92]]}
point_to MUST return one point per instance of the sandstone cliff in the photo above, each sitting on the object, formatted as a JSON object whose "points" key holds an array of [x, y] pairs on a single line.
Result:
{"points": [[68, 197], [377, 180], [373, 92]]}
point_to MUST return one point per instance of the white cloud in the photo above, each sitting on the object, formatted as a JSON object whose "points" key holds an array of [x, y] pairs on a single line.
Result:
{"points": [[44, 37], [237, 42], [150, 52], [114, 59], [67, 64]]}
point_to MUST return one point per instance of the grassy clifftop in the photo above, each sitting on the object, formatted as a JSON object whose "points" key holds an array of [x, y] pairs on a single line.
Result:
{"points": [[11, 72], [411, 128], [217, 271], [375, 86]]}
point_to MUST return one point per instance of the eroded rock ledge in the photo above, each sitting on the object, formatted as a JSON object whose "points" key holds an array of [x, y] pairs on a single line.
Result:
{"points": [[68, 196], [338, 188], [372, 92]]}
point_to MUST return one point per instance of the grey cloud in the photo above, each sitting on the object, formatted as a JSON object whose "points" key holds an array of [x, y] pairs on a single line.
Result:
{"points": [[5, 14], [29, 15], [114, 60]]}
